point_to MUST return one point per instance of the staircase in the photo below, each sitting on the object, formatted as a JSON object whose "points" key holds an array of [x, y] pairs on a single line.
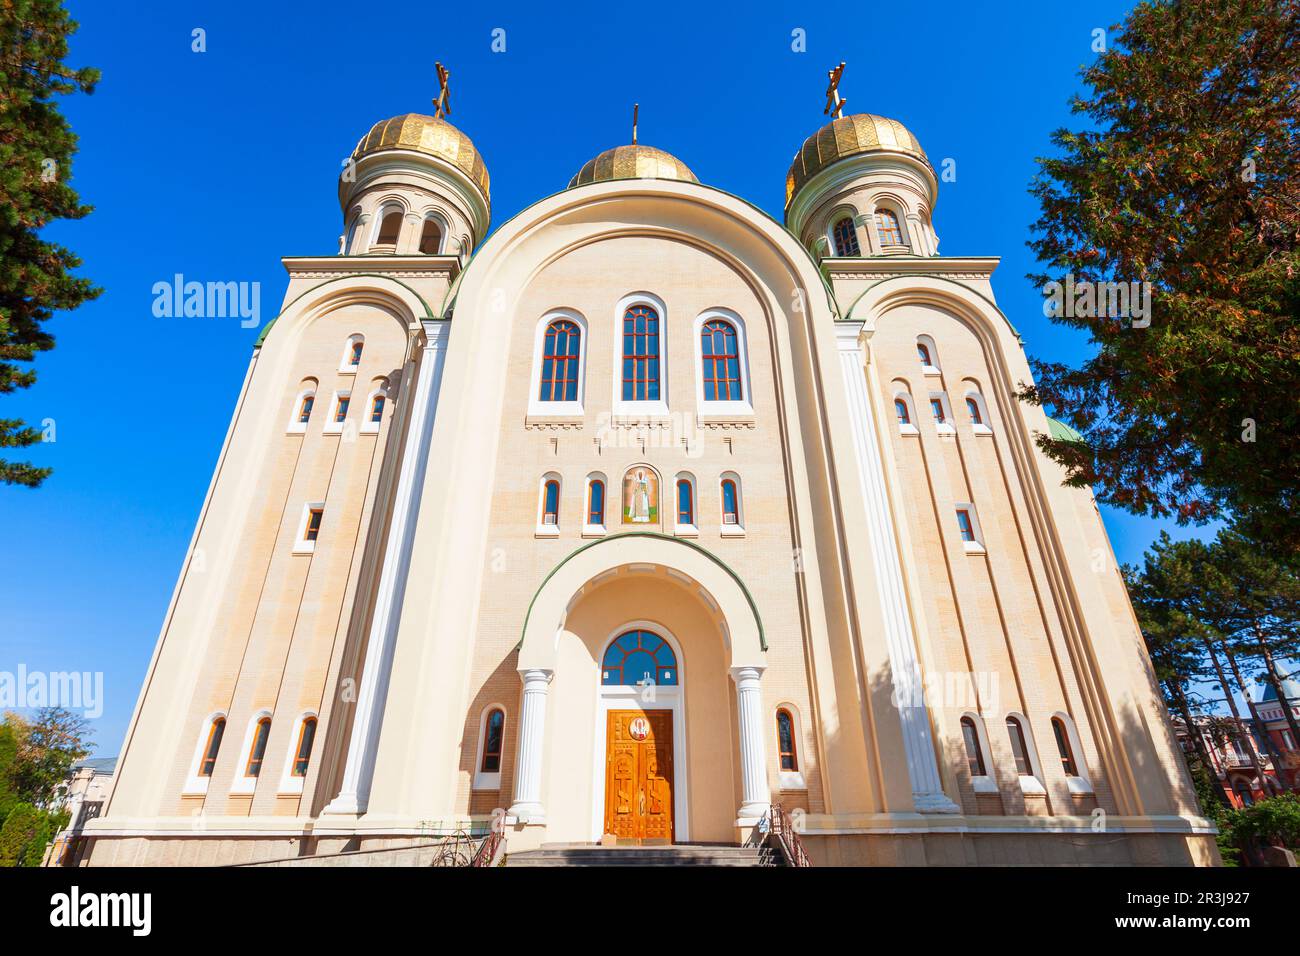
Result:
{"points": [[683, 855]]}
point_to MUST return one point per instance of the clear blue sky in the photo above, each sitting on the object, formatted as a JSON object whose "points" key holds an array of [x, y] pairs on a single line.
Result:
{"points": [[215, 164]]}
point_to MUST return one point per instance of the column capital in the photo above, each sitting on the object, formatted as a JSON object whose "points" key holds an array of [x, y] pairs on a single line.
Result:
{"points": [[436, 332], [747, 674], [536, 678], [848, 335]]}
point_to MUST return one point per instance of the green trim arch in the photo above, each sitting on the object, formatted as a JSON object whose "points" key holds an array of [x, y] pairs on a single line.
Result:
{"points": [[266, 329], [655, 535], [931, 275]]}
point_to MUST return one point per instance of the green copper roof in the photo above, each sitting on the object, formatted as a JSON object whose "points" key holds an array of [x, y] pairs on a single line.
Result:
{"points": [[1061, 431]]}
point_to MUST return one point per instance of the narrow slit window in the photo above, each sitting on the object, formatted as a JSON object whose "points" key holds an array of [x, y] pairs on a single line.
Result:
{"points": [[341, 410], [551, 503], [257, 752], [974, 753], [354, 353], [730, 502], [1063, 747], [304, 409], [213, 747], [685, 502], [302, 756], [494, 733], [923, 353], [314, 517], [973, 407], [377, 409], [964, 525], [900, 409], [596, 502], [936, 409], [786, 742], [1019, 748]]}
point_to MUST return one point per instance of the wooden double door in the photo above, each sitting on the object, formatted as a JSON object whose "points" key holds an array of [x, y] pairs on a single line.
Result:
{"points": [[639, 775]]}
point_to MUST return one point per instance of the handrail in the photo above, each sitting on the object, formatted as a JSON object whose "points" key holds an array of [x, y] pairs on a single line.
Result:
{"points": [[487, 851], [786, 837]]}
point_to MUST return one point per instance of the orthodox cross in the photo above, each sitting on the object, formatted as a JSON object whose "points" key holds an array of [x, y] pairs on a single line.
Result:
{"points": [[443, 100], [636, 108], [834, 102]]}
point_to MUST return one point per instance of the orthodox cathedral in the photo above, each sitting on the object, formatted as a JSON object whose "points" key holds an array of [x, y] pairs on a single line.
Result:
{"points": [[634, 517]]}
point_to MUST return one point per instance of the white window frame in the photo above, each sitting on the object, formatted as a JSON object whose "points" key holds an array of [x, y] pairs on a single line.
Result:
{"points": [[194, 784], [649, 408], [945, 427], [983, 428], [385, 208], [842, 212], [985, 783], [736, 530], [482, 780], [1081, 782], [1034, 782], [244, 783], [594, 530], [910, 427], [442, 233], [300, 543], [367, 426], [289, 784], [934, 368], [296, 427], [687, 530], [537, 406], [790, 779], [971, 547], [549, 530], [903, 232], [345, 363], [715, 407], [330, 426]]}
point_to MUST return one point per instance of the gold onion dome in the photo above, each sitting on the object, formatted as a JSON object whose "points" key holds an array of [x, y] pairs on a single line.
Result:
{"points": [[849, 136], [428, 135], [632, 162]]}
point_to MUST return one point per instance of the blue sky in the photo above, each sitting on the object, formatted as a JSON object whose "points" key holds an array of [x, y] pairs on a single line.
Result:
{"points": [[216, 164]]}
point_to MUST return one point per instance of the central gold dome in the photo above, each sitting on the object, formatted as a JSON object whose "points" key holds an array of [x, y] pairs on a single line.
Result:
{"points": [[428, 135], [632, 162], [849, 136]]}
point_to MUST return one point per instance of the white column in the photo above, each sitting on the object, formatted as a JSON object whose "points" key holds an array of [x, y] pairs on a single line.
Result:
{"points": [[756, 798], [372, 695], [927, 788], [527, 807]]}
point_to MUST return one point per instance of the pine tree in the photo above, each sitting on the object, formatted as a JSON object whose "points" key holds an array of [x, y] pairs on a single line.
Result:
{"points": [[36, 150]]}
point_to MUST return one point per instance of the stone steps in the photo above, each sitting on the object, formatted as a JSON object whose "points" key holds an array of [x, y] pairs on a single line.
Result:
{"points": [[676, 855]]}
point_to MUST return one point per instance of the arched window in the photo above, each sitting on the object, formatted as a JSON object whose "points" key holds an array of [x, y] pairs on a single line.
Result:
{"points": [[212, 747], [596, 502], [561, 350], [551, 502], [377, 409], [430, 238], [494, 727], [887, 228], [974, 753], [1063, 747], [973, 409], [639, 657], [720, 351], [900, 409], [354, 353], [846, 238], [785, 741], [261, 733], [730, 502], [1019, 747], [923, 353], [964, 526], [302, 755], [640, 354], [936, 409], [304, 408], [685, 502], [390, 227], [341, 402]]}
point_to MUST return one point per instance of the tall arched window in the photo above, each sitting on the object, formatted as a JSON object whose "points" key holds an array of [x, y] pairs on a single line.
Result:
{"points": [[596, 502], [973, 409], [720, 351], [212, 747], [561, 351], [974, 753], [846, 238], [900, 410], [302, 755], [640, 354], [786, 742], [390, 227], [685, 502], [923, 353], [639, 657], [887, 228], [494, 729], [430, 238], [261, 733], [304, 408], [1062, 735], [730, 502], [377, 409], [1019, 747], [551, 502], [354, 353]]}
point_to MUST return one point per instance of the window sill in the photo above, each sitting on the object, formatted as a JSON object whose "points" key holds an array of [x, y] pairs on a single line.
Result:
{"points": [[347, 370], [1032, 785], [244, 785], [985, 784], [296, 429], [370, 428], [908, 430], [733, 531], [547, 531], [742, 413], [931, 370], [640, 411], [333, 428], [1079, 785], [290, 786], [686, 531], [196, 786], [553, 411], [943, 428], [792, 780], [974, 547], [593, 531], [305, 547], [487, 781], [981, 430]]}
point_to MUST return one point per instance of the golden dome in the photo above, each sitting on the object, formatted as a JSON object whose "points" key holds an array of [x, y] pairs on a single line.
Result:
{"points": [[632, 162], [426, 134], [849, 136]]}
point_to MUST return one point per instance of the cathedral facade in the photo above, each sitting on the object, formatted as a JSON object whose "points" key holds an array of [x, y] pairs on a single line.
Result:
{"points": [[634, 517]]}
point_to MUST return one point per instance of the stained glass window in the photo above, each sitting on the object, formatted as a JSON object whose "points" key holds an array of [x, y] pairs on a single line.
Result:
{"points": [[639, 657], [560, 355], [640, 354], [719, 349]]}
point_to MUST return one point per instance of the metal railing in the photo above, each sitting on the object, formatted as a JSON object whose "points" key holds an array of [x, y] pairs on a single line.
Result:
{"points": [[487, 850], [783, 833]]}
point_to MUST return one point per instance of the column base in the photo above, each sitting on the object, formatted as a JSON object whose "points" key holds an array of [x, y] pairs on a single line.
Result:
{"points": [[934, 802], [751, 814], [530, 813], [344, 803]]}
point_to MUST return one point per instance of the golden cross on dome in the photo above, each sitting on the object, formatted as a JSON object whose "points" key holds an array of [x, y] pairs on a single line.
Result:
{"points": [[834, 102], [443, 100], [636, 108]]}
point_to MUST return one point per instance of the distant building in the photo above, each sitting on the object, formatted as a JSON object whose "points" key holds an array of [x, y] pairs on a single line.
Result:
{"points": [[89, 784], [1268, 713]]}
